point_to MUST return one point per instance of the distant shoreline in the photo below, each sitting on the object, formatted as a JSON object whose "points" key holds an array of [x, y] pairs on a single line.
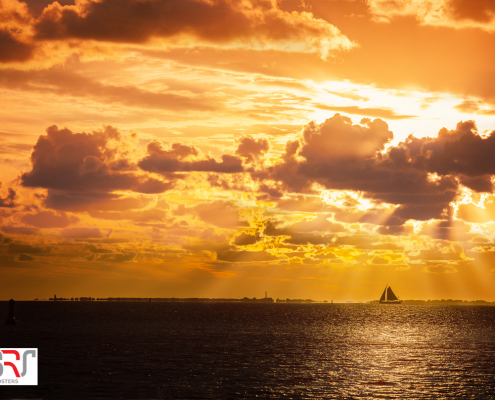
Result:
{"points": [[267, 300]]}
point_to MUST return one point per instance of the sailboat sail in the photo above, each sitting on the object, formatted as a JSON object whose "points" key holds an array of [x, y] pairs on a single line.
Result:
{"points": [[389, 297], [390, 294]]}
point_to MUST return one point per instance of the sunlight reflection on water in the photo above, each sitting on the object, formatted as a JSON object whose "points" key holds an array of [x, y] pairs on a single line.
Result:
{"points": [[160, 350]]}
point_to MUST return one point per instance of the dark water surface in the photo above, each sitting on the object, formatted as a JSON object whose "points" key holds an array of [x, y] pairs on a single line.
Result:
{"points": [[229, 351]]}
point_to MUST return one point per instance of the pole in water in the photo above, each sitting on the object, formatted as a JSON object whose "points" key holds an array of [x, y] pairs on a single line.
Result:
{"points": [[11, 319]]}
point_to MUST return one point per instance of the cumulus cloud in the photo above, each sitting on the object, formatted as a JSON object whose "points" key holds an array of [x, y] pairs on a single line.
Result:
{"points": [[450, 13], [340, 155], [252, 149], [182, 158], [70, 164], [338, 137], [421, 176], [254, 23], [82, 162]]}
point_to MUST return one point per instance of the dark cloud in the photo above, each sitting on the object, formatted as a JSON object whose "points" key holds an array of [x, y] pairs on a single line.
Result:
{"points": [[245, 239], [27, 248], [25, 257], [340, 155], [180, 158], [456, 152], [477, 11], [8, 201], [5, 239], [19, 230], [252, 149], [117, 257], [218, 21], [93, 249], [13, 50], [82, 167], [81, 233]]}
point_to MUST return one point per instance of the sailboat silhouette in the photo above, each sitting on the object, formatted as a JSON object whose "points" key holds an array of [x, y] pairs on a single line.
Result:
{"points": [[389, 297]]}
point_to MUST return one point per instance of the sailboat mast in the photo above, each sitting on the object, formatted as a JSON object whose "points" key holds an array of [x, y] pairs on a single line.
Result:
{"points": [[386, 286]]}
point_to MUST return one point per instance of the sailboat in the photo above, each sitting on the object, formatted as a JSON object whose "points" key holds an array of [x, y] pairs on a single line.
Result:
{"points": [[388, 297]]}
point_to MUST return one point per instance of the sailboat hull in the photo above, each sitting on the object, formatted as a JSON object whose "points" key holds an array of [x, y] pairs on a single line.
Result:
{"points": [[391, 302]]}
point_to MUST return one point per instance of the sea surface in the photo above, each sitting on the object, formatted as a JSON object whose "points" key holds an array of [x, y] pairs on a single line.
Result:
{"points": [[246, 351]]}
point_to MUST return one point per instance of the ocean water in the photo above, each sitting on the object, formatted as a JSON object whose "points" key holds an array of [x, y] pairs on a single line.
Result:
{"points": [[245, 351]]}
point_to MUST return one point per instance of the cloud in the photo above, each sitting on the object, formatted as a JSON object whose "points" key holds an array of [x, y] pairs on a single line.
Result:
{"points": [[307, 231], [117, 257], [49, 219], [337, 137], [449, 13], [12, 49], [256, 23], [340, 155], [64, 82], [8, 201], [245, 239], [386, 113], [439, 269], [181, 158], [303, 203], [252, 149], [81, 201], [349, 94], [461, 152], [153, 214], [19, 230], [223, 214], [26, 248], [81, 233], [69, 164], [245, 256], [473, 213], [25, 257]]}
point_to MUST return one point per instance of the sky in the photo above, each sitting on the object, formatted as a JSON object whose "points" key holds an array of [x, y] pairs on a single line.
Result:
{"points": [[315, 149]]}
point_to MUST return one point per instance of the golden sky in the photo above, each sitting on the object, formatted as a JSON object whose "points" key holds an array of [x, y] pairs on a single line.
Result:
{"points": [[223, 148]]}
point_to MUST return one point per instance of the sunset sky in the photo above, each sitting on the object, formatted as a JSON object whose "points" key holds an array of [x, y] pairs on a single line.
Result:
{"points": [[222, 148]]}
